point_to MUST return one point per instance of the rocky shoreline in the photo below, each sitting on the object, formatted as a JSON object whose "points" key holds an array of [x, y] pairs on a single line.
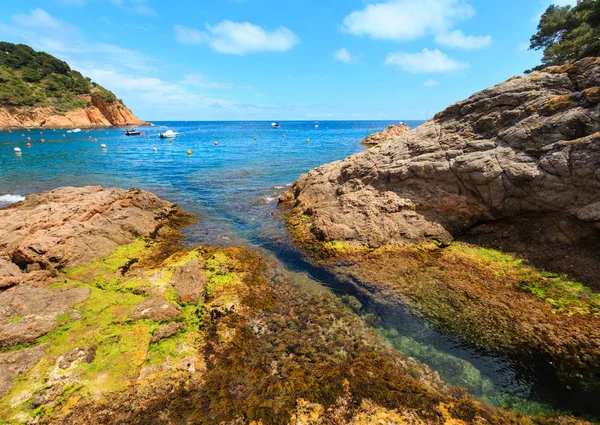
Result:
{"points": [[484, 218], [124, 325]]}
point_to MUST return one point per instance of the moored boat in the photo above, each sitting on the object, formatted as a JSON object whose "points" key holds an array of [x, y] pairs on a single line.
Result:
{"points": [[169, 134], [132, 132], [275, 125]]}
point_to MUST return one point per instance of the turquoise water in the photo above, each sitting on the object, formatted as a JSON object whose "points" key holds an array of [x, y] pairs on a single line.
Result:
{"points": [[233, 188]]}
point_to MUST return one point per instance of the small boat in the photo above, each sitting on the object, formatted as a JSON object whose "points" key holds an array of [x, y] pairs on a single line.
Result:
{"points": [[275, 125], [316, 125], [75, 130], [169, 134], [132, 132]]}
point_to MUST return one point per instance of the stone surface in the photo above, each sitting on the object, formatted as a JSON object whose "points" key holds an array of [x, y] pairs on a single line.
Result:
{"points": [[82, 354], [157, 309], [528, 145], [391, 132], [27, 313], [99, 114], [15, 363], [166, 331], [190, 281], [73, 226]]}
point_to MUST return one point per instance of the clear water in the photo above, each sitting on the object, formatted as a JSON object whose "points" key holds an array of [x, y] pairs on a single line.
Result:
{"points": [[233, 188]]}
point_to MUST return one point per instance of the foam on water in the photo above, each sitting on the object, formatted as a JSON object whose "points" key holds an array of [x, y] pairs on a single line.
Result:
{"points": [[10, 199]]}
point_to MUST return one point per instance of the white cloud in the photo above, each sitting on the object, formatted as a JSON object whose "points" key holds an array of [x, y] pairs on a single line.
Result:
{"points": [[401, 20], [186, 35], [44, 32], [431, 83], [457, 39], [238, 38], [39, 19], [343, 55], [135, 6], [204, 82], [426, 61]]}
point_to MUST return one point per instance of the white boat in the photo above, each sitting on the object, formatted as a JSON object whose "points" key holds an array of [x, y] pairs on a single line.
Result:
{"points": [[275, 125], [75, 130], [316, 125], [169, 134]]}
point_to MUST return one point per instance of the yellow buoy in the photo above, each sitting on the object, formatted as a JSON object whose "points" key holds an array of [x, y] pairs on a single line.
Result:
{"points": [[189, 152], [307, 140]]}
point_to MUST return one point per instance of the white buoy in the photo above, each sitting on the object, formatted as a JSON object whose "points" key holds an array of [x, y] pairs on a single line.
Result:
{"points": [[154, 149], [103, 146], [18, 150]]}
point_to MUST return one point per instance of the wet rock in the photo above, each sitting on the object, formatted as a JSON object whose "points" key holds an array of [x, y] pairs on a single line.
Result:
{"points": [[27, 313], [73, 226], [15, 363], [166, 331], [189, 281], [157, 309], [528, 145], [82, 354]]}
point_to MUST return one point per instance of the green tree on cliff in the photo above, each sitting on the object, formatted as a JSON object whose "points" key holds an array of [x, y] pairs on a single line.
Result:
{"points": [[568, 33]]}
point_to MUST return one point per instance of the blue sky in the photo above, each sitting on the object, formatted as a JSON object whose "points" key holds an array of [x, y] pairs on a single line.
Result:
{"points": [[265, 60]]}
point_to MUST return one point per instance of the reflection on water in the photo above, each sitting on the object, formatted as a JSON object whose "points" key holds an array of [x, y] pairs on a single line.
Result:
{"points": [[233, 188]]}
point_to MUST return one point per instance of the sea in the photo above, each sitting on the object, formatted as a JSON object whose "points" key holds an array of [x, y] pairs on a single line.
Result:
{"points": [[231, 179]]}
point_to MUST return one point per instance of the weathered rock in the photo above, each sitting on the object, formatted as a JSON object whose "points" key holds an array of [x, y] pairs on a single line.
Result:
{"points": [[15, 363], [70, 226], [83, 354], [189, 281], [528, 145], [157, 309], [166, 331], [27, 313], [391, 132]]}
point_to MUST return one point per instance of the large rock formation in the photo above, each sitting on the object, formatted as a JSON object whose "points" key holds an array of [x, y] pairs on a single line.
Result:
{"points": [[528, 145], [72, 226], [98, 114]]}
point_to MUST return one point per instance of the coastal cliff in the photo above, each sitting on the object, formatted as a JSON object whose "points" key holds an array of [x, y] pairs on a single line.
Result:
{"points": [[99, 114], [39, 90], [486, 219]]}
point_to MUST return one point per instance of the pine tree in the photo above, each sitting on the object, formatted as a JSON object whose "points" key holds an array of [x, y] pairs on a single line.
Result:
{"points": [[567, 34]]}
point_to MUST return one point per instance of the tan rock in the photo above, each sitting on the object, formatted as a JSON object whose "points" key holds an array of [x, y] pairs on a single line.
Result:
{"points": [[528, 145], [189, 281], [69, 227], [389, 133], [157, 309]]}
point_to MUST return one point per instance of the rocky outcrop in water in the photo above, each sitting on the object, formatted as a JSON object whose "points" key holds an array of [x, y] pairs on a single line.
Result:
{"points": [[528, 145], [389, 133]]}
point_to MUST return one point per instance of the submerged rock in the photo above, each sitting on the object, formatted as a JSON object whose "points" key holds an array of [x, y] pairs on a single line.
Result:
{"points": [[528, 145]]}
